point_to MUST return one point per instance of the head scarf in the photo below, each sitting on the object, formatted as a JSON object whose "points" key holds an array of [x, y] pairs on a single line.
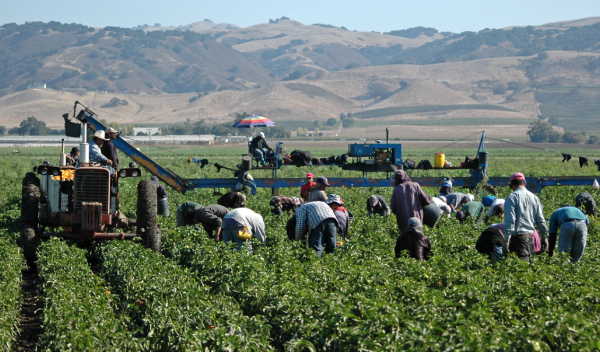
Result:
{"points": [[401, 177]]}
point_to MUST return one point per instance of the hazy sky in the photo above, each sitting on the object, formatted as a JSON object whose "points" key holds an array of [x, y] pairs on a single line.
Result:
{"points": [[373, 15]]}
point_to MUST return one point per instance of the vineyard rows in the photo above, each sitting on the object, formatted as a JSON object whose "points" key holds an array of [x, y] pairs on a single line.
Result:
{"points": [[457, 121], [398, 110], [569, 95]]}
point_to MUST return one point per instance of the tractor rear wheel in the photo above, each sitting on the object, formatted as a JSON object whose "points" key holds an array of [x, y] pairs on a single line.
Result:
{"points": [[30, 207], [146, 215]]}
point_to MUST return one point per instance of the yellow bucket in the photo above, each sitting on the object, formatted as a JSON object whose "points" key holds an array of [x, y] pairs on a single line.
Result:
{"points": [[440, 160]]}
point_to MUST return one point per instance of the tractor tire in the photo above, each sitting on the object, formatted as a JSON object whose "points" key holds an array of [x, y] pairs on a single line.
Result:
{"points": [[146, 215], [29, 243], [30, 208]]}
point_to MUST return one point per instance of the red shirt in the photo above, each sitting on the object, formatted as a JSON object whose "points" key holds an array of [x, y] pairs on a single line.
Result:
{"points": [[305, 189]]}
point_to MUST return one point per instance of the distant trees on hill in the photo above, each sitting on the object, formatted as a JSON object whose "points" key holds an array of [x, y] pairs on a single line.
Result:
{"points": [[33, 127], [414, 32]]}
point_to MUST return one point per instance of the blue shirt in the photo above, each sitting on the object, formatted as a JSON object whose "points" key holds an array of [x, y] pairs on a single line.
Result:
{"points": [[96, 155], [562, 215]]}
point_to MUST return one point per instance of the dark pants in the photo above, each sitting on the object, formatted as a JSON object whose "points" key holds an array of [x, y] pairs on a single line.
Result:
{"points": [[324, 233], [522, 246]]}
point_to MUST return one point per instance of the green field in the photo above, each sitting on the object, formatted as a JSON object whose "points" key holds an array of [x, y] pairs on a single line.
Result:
{"points": [[576, 108], [198, 295]]}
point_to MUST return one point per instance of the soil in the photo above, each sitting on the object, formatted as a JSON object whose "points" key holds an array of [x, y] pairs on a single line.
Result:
{"points": [[30, 321]]}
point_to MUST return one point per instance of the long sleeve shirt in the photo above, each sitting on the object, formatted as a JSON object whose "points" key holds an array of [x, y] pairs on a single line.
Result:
{"points": [[110, 151], [559, 217], [407, 201], [212, 216], [243, 217], [382, 207], [522, 211], [96, 155], [491, 212], [310, 215], [455, 199]]}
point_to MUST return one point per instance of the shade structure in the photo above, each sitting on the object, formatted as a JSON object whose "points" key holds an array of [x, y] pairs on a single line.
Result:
{"points": [[254, 121]]}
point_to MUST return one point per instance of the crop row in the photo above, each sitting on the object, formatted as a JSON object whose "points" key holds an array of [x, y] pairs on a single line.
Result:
{"points": [[398, 110], [571, 111], [570, 95], [78, 306], [460, 121], [363, 298], [10, 291], [170, 308]]}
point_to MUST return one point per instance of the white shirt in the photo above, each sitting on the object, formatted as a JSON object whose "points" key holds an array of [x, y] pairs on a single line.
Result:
{"points": [[491, 211]]}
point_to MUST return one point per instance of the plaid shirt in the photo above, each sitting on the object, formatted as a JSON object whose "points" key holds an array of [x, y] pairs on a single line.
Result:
{"points": [[310, 215]]}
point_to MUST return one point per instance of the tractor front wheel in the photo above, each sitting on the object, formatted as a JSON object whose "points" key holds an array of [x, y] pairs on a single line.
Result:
{"points": [[146, 215]]}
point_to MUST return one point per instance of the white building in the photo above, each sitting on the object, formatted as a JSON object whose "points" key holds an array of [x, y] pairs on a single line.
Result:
{"points": [[37, 86]]}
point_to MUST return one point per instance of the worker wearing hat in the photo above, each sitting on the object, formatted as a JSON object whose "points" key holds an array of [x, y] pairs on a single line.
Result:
{"points": [[522, 212], [305, 189], [109, 149], [317, 192], [260, 149], [96, 142]]}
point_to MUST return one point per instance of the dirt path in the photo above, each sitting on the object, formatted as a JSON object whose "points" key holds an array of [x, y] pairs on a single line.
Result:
{"points": [[30, 321]]}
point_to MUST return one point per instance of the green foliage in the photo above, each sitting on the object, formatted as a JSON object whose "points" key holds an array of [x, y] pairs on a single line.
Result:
{"points": [[541, 131], [114, 102], [10, 290], [2, 130], [499, 89], [78, 306], [33, 127], [348, 122], [594, 139], [573, 108], [330, 122], [516, 86], [414, 32], [574, 138]]}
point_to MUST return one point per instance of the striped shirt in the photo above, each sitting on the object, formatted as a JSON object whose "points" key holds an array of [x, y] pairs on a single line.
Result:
{"points": [[310, 215]]}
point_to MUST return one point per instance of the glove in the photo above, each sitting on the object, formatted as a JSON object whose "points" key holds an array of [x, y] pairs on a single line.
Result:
{"points": [[505, 245], [544, 244]]}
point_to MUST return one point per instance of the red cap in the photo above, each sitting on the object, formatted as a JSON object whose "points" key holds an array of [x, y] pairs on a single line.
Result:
{"points": [[309, 175], [517, 176]]}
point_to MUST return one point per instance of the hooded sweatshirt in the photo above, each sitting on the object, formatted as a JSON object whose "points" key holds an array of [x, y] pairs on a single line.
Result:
{"points": [[414, 241], [408, 200], [161, 192]]}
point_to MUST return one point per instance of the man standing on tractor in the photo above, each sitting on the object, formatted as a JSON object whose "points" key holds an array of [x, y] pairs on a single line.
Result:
{"points": [[259, 148], [109, 149]]}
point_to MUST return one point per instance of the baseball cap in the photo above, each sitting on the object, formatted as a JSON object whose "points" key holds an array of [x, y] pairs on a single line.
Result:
{"points": [[322, 180], [334, 198], [517, 176], [499, 209], [470, 197], [112, 130], [310, 175], [262, 135]]}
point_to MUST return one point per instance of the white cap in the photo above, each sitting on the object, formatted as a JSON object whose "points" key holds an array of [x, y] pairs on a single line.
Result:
{"points": [[262, 135], [99, 135], [470, 197]]}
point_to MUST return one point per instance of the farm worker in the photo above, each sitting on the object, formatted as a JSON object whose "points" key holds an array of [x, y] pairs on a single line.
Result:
{"points": [[186, 214], [456, 200], [413, 240], [490, 243], [290, 228], [109, 149], [441, 203], [162, 206], [97, 141], [537, 244], [211, 218], [446, 187], [496, 209], [73, 156], [474, 209], [320, 221], [408, 200], [232, 200], [240, 224], [377, 204], [522, 211], [280, 204], [305, 189], [342, 215], [585, 199], [317, 192], [259, 148], [573, 232]]}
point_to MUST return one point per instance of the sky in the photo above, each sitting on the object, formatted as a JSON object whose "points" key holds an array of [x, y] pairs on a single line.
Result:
{"points": [[373, 15]]}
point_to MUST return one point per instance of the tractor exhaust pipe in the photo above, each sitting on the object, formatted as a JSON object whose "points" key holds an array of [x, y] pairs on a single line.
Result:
{"points": [[84, 147], [63, 156]]}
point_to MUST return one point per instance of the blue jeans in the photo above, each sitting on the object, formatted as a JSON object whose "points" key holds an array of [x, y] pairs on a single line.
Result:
{"points": [[573, 238], [261, 155], [324, 233], [230, 235]]}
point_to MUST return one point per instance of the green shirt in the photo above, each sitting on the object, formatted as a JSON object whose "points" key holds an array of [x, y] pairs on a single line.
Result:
{"points": [[187, 206], [473, 208]]}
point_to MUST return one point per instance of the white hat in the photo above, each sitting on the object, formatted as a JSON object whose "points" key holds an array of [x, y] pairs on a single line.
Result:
{"points": [[262, 135], [100, 135], [443, 199], [112, 130], [470, 197]]}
